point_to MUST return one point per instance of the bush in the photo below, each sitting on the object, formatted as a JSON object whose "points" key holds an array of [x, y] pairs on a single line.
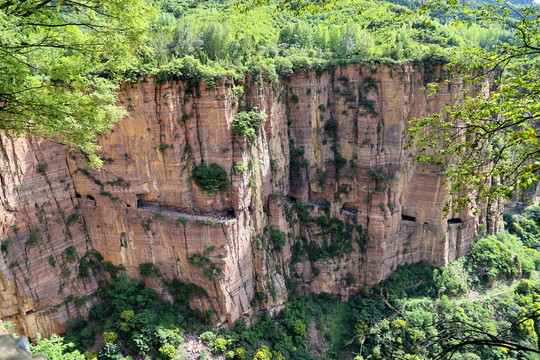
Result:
{"points": [[191, 69], [208, 338], [331, 127], [220, 346], [139, 343], [149, 270], [241, 354], [451, 279], [493, 258], [72, 219], [55, 348], [263, 354], [168, 336], [109, 337], [211, 178], [97, 312], [277, 237], [71, 254], [377, 174], [247, 123], [167, 352], [124, 321], [109, 351], [239, 168], [91, 355]]}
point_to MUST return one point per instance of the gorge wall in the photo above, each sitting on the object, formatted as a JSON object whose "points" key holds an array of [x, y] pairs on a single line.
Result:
{"points": [[330, 201]]}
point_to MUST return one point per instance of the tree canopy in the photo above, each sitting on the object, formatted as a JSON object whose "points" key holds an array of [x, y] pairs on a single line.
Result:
{"points": [[487, 145], [60, 62]]}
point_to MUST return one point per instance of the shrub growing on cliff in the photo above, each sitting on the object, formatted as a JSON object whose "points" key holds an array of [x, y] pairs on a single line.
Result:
{"points": [[211, 178], [331, 127], [71, 254], [377, 174], [240, 168], [189, 68], [277, 237], [247, 123], [149, 270]]}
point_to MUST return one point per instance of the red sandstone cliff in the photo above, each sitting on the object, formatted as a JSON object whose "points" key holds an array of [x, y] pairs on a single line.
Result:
{"points": [[390, 207]]}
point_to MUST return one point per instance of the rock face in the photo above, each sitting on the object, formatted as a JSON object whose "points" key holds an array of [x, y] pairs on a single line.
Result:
{"points": [[40, 219], [330, 201]]}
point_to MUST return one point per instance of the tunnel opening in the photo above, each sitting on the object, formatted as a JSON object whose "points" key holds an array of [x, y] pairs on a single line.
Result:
{"points": [[350, 209], [407, 218], [90, 197], [289, 200], [454, 221]]}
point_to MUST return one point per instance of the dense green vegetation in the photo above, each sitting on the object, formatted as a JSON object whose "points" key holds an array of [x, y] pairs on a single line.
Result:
{"points": [[198, 40], [247, 123], [499, 153], [57, 81]]}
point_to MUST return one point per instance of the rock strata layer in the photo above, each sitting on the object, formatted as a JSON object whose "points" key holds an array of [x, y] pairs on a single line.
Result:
{"points": [[329, 201]]}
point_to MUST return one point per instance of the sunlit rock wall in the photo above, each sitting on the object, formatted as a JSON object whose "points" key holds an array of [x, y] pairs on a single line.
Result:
{"points": [[334, 137]]}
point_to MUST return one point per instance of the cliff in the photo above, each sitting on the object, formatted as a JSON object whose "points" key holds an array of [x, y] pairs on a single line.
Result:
{"points": [[330, 201]]}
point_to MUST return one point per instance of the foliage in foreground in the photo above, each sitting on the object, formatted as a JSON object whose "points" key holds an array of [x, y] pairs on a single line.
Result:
{"points": [[56, 81], [492, 133]]}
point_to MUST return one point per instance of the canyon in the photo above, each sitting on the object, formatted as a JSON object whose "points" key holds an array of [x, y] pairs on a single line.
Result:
{"points": [[329, 202]]}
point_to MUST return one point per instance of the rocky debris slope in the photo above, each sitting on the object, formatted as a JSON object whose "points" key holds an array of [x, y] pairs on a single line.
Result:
{"points": [[325, 199]]}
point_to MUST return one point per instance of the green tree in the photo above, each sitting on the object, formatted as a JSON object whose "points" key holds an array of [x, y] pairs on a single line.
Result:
{"points": [[55, 348], [60, 62], [487, 145], [298, 7]]}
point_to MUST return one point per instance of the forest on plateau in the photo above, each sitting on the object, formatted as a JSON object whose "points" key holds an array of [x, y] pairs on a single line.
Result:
{"points": [[64, 64]]}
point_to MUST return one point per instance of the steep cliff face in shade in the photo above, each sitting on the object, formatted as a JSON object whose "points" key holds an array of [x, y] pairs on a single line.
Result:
{"points": [[330, 201]]}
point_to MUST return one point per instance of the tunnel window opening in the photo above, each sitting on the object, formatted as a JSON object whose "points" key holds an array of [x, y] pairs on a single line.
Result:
{"points": [[454, 221], [90, 197], [78, 196], [407, 218]]}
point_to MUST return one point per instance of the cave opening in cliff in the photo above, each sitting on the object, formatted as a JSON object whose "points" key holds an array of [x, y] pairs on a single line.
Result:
{"points": [[141, 204], [454, 221], [90, 197], [407, 218]]}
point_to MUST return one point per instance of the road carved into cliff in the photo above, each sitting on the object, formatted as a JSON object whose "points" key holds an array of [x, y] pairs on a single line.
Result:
{"points": [[217, 218]]}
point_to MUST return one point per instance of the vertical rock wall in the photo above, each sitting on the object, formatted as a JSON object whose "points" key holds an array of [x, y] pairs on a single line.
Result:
{"points": [[327, 175], [43, 234]]}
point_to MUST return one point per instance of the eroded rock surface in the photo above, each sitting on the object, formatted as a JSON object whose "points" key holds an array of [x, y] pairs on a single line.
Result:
{"points": [[330, 202]]}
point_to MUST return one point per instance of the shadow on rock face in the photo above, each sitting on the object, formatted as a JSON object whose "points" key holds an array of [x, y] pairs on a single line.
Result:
{"points": [[17, 349]]}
